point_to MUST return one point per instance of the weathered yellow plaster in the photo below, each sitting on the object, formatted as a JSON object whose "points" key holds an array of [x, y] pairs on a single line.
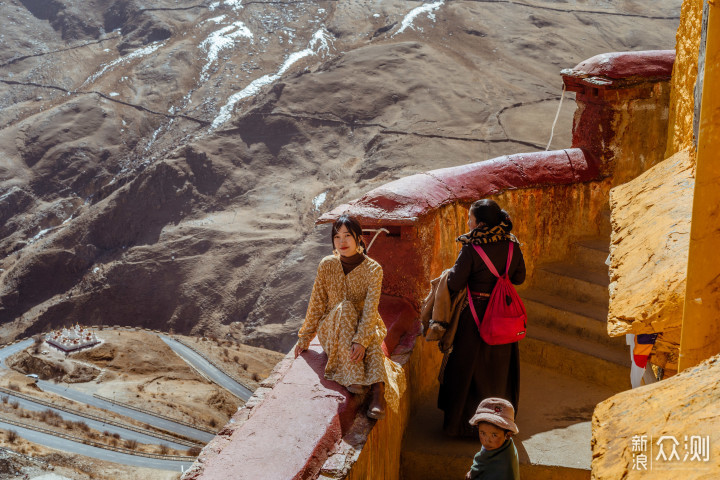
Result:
{"points": [[682, 102], [681, 407], [651, 218], [701, 319]]}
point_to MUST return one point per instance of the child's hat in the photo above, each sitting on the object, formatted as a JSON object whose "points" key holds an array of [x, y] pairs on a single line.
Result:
{"points": [[497, 411]]}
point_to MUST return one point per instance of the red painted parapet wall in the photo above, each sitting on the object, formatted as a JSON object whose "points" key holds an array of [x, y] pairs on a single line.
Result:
{"points": [[623, 103], [404, 201], [300, 426]]}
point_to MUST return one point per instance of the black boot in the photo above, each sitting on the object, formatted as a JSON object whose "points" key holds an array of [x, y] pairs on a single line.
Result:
{"points": [[376, 409]]}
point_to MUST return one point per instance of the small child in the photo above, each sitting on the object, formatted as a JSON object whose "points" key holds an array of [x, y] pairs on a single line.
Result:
{"points": [[498, 458]]}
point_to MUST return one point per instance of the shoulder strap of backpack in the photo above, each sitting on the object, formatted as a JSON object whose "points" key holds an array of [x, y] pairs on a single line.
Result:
{"points": [[489, 264], [487, 261], [510, 254]]}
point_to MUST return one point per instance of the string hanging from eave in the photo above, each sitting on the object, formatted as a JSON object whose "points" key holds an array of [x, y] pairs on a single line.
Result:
{"points": [[377, 232], [557, 114]]}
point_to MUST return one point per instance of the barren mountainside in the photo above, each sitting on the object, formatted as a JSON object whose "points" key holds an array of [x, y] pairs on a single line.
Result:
{"points": [[162, 163]]}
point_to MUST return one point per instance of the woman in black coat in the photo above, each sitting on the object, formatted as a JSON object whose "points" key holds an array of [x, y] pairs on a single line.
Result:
{"points": [[476, 370]]}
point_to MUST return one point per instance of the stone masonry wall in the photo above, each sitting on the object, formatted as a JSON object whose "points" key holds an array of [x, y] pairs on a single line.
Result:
{"points": [[684, 75]]}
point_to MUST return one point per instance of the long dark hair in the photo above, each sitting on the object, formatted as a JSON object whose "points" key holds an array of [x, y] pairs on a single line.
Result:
{"points": [[489, 212], [353, 227]]}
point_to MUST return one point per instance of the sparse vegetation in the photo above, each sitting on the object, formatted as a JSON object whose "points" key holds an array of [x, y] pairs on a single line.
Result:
{"points": [[194, 451], [256, 377], [213, 411], [130, 444], [12, 436], [38, 341], [82, 426]]}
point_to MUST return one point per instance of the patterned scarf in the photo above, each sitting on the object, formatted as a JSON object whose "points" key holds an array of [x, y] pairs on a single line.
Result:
{"points": [[483, 234]]}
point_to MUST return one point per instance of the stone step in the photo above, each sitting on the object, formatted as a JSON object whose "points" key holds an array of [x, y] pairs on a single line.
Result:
{"points": [[590, 253], [577, 357], [554, 419], [574, 282], [584, 320]]}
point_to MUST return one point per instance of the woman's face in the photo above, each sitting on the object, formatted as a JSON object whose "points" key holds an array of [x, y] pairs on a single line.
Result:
{"points": [[344, 242], [471, 223]]}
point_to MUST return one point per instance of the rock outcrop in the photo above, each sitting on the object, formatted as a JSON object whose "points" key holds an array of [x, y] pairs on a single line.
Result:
{"points": [[648, 248], [683, 407]]}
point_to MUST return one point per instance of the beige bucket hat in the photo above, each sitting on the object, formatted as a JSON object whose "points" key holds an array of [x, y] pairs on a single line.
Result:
{"points": [[497, 411]]}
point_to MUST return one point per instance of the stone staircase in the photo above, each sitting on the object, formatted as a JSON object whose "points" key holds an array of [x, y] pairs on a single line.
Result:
{"points": [[567, 306], [568, 365]]}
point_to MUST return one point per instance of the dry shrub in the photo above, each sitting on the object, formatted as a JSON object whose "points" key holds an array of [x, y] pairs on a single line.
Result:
{"points": [[12, 436], [130, 444], [236, 359], [164, 449], [15, 404], [244, 366], [256, 377], [213, 423], [194, 451], [82, 426], [50, 417], [14, 386], [225, 352], [114, 442], [5, 399]]}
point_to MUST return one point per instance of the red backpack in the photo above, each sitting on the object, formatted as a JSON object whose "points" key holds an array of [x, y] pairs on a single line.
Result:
{"points": [[505, 319]]}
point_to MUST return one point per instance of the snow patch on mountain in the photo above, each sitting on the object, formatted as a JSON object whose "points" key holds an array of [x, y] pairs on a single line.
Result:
{"points": [[318, 45], [428, 8], [221, 40]]}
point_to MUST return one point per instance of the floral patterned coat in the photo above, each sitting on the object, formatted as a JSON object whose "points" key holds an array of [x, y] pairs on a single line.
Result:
{"points": [[343, 310]]}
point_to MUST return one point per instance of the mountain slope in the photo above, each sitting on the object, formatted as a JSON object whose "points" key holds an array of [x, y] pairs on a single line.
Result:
{"points": [[163, 165]]}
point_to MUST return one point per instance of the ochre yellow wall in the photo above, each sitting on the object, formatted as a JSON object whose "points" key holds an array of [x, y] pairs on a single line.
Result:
{"points": [[701, 319], [546, 219], [380, 456], [682, 103]]}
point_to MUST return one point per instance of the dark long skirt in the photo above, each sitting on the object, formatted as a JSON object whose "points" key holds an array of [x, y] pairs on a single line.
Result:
{"points": [[475, 371]]}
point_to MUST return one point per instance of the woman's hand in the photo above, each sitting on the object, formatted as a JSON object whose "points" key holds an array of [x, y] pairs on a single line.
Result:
{"points": [[357, 353], [299, 350]]}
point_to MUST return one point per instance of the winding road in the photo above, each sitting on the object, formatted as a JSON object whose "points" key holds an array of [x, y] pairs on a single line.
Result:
{"points": [[65, 391], [207, 368], [59, 443], [98, 425], [193, 358]]}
